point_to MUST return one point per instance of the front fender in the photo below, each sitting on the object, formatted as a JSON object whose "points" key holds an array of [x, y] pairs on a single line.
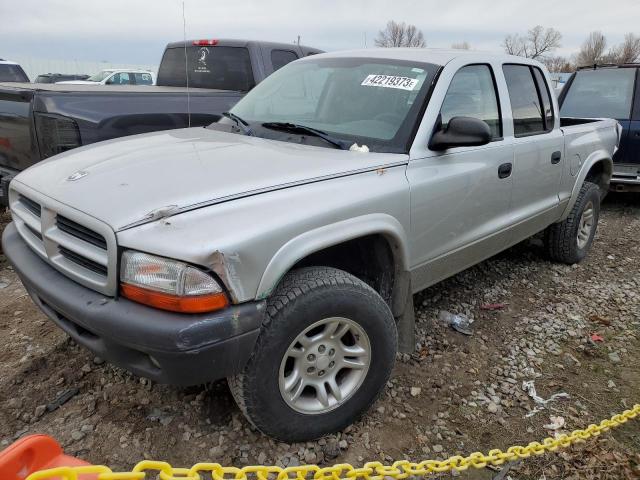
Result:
{"points": [[333, 234]]}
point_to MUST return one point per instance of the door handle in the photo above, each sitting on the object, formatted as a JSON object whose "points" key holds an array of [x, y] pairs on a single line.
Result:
{"points": [[556, 157], [505, 170]]}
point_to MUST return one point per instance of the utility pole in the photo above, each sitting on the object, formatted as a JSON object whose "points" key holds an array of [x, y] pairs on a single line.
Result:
{"points": [[365, 39], [298, 40]]}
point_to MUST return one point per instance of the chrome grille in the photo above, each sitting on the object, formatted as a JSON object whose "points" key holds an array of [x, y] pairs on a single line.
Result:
{"points": [[77, 245]]}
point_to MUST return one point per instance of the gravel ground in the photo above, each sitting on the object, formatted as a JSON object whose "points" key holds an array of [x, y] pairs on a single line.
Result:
{"points": [[456, 394]]}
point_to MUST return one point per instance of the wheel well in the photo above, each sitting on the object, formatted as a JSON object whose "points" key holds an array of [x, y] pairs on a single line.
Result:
{"points": [[600, 174], [369, 258]]}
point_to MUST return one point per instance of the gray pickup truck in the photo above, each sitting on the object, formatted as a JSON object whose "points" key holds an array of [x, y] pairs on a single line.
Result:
{"points": [[284, 251], [38, 121]]}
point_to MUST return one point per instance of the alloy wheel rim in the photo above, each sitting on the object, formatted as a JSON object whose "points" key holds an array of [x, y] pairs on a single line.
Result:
{"points": [[585, 226], [324, 366]]}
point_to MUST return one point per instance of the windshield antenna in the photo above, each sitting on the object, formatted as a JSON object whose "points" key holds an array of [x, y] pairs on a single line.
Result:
{"points": [[186, 68]]}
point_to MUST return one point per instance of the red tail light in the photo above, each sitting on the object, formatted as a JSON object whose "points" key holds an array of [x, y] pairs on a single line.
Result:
{"points": [[202, 43]]}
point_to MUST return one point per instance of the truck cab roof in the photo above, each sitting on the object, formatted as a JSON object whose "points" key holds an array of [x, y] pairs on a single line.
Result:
{"points": [[435, 56], [598, 66], [230, 42]]}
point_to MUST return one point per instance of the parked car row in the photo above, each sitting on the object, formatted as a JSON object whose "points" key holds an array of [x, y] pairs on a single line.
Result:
{"points": [[11, 72]]}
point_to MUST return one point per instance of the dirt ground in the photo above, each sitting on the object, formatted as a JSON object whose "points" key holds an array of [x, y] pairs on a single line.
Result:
{"points": [[573, 330]]}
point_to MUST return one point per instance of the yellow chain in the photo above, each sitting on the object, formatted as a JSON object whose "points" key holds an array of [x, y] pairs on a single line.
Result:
{"points": [[370, 471]]}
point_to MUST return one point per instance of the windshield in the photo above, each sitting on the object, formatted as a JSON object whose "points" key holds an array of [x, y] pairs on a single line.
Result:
{"points": [[100, 76], [374, 102], [604, 93]]}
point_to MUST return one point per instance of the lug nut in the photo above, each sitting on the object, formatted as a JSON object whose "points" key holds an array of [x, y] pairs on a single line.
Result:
{"points": [[311, 357], [311, 370], [332, 352], [321, 348], [321, 373], [332, 364]]}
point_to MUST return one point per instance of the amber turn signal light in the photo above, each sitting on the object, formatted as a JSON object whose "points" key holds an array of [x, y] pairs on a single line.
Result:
{"points": [[174, 303]]}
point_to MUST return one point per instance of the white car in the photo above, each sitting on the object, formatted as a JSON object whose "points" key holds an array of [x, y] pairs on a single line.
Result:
{"points": [[115, 76]]}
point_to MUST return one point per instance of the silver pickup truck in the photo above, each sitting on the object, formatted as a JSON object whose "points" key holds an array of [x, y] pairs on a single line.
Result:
{"points": [[280, 248]]}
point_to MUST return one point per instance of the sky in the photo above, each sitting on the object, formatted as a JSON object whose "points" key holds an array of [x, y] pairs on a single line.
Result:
{"points": [[136, 31]]}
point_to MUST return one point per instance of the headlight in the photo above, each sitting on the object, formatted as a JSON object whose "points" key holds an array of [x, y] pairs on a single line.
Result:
{"points": [[169, 284]]}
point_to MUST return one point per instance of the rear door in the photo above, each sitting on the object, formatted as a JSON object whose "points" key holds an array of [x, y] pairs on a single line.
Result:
{"points": [[538, 149]]}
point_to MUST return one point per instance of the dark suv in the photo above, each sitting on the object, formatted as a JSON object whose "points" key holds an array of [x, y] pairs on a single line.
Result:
{"points": [[610, 91], [59, 77], [12, 72]]}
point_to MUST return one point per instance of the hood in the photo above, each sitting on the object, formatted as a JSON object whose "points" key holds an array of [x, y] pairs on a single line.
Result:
{"points": [[134, 180]]}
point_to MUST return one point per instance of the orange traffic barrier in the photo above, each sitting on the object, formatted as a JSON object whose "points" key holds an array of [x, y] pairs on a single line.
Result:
{"points": [[32, 454]]}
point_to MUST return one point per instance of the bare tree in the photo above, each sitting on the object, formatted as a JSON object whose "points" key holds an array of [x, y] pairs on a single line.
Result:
{"points": [[400, 35], [627, 52], [514, 45], [558, 64], [539, 43], [461, 46], [592, 50]]}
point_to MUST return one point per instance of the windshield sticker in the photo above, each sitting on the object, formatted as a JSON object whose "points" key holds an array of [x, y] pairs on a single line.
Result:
{"points": [[390, 81]]}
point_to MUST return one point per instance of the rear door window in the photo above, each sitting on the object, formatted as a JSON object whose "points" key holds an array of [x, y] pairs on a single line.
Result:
{"points": [[279, 58], [547, 105], [143, 78], [600, 93], [525, 103], [225, 68]]}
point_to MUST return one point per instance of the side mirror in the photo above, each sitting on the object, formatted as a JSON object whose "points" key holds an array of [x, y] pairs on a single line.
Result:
{"points": [[461, 132]]}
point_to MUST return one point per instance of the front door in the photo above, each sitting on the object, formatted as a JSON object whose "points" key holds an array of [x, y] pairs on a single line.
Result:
{"points": [[460, 197]]}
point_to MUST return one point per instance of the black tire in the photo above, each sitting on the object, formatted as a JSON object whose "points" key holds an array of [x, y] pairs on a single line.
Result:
{"points": [[561, 239], [304, 297]]}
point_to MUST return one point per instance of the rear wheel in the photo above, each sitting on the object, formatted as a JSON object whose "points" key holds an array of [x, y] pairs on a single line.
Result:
{"points": [[325, 353], [570, 240]]}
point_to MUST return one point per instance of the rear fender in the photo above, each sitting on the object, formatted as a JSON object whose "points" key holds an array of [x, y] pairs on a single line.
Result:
{"points": [[595, 157]]}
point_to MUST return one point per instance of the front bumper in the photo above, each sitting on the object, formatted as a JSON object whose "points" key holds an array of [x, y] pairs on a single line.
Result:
{"points": [[174, 348]]}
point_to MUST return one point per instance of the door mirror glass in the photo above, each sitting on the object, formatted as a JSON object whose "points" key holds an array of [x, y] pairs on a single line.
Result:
{"points": [[461, 132]]}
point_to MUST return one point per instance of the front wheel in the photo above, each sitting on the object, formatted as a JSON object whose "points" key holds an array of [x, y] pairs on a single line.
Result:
{"points": [[570, 240], [324, 354]]}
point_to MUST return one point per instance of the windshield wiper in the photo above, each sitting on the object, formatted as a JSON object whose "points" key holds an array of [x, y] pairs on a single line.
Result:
{"points": [[294, 127], [242, 124]]}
